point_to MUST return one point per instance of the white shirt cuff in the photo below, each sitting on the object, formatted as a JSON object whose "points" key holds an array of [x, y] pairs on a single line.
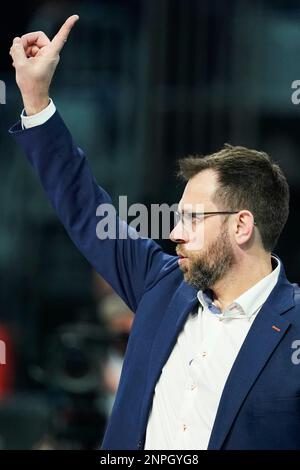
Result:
{"points": [[39, 118]]}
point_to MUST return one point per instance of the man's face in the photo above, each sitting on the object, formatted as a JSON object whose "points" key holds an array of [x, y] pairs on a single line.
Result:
{"points": [[204, 245]]}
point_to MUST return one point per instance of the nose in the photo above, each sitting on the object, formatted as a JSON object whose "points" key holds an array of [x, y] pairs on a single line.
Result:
{"points": [[178, 235]]}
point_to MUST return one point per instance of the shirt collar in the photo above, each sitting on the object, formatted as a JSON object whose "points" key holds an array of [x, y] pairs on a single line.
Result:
{"points": [[248, 303]]}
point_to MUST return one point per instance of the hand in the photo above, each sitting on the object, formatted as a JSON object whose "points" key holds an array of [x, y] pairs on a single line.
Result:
{"points": [[35, 59]]}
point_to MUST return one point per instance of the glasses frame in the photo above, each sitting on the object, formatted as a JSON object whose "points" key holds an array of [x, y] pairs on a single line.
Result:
{"points": [[195, 214]]}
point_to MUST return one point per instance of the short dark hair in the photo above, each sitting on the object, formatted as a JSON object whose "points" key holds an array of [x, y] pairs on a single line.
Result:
{"points": [[248, 179]]}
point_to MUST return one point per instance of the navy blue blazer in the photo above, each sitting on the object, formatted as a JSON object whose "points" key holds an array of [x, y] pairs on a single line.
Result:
{"points": [[260, 404]]}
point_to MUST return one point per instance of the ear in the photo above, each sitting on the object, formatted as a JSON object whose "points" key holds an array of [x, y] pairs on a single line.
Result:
{"points": [[244, 227]]}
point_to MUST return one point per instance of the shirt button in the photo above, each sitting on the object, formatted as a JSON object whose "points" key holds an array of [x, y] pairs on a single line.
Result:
{"points": [[184, 427], [193, 386], [204, 353]]}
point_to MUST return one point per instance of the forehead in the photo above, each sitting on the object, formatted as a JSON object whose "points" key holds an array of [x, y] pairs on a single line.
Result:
{"points": [[200, 189]]}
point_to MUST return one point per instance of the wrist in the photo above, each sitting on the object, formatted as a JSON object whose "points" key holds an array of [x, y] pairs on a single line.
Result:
{"points": [[35, 104]]}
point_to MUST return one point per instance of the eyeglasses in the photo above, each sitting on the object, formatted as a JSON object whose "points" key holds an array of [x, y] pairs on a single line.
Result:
{"points": [[186, 218]]}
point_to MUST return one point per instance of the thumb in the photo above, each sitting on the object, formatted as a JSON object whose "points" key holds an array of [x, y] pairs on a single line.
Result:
{"points": [[17, 52], [61, 37]]}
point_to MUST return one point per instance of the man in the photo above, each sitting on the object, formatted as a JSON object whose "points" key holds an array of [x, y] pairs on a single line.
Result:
{"points": [[210, 362]]}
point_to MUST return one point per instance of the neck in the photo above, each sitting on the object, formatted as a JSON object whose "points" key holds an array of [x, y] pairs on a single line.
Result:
{"points": [[241, 277]]}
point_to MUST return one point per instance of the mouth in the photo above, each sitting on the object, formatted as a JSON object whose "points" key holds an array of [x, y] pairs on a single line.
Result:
{"points": [[181, 259]]}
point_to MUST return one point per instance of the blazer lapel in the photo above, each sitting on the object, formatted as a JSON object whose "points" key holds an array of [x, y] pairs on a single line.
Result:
{"points": [[264, 335], [182, 303]]}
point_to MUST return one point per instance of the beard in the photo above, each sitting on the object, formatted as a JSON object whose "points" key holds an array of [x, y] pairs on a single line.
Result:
{"points": [[204, 269]]}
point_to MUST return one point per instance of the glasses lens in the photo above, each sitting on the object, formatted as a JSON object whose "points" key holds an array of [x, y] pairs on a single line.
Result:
{"points": [[187, 219], [177, 218]]}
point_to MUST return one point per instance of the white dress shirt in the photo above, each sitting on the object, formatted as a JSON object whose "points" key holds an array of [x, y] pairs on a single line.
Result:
{"points": [[188, 392], [39, 118]]}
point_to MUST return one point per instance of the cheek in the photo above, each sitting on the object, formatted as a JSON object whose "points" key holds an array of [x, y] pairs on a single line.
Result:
{"points": [[203, 236], [196, 241], [212, 231]]}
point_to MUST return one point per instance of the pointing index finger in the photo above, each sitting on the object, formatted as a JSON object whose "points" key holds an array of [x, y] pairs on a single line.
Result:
{"points": [[61, 37]]}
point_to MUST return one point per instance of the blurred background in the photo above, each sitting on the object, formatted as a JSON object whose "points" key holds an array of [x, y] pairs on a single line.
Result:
{"points": [[140, 84]]}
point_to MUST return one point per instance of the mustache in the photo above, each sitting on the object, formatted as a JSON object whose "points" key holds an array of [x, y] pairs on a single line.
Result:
{"points": [[181, 253]]}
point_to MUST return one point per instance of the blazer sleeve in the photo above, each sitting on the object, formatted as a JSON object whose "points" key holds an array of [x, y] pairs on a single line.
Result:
{"points": [[130, 265]]}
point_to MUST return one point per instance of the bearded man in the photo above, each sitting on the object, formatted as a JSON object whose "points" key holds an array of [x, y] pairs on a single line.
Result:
{"points": [[209, 363]]}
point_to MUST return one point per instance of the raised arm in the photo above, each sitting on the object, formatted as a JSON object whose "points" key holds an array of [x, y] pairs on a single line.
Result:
{"points": [[130, 265]]}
